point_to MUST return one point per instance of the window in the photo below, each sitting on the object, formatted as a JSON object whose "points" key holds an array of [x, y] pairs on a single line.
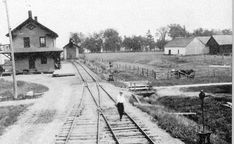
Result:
{"points": [[42, 41], [43, 60], [26, 42]]}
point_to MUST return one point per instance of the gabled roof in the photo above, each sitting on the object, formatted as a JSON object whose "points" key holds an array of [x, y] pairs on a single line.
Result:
{"points": [[71, 44], [223, 39], [204, 39], [31, 20], [179, 42]]}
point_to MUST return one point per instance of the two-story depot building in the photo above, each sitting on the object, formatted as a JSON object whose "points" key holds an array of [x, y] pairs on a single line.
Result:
{"points": [[34, 47]]}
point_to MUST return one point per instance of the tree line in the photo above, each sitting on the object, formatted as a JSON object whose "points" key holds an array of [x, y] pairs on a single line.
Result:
{"points": [[109, 40]]}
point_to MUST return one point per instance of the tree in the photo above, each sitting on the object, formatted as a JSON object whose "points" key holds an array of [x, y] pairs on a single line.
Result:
{"points": [[150, 40], [94, 42], [112, 40], [161, 33], [206, 32], [78, 38], [134, 43], [227, 31], [203, 32], [175, 30]]}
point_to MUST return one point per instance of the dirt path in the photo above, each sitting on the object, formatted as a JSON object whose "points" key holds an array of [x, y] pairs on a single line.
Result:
{"points": [[176, 90], [43, 119]]}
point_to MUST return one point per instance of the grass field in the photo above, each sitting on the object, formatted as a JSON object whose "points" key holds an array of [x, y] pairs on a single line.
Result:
{"points": [[6, 91], [164, 63], [218, 118], [9, 115]]}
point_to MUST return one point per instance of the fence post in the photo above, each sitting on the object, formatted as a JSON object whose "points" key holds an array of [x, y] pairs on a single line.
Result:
{"points": [[143, 71], [168, 74], [154, 74], [147, 72]]}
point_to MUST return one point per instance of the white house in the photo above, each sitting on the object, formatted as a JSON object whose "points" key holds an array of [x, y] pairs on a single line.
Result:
{"points": [[187, 46]]}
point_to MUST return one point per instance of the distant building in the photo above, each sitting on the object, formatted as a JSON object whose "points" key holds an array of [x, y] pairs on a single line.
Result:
{"points": [[187, 46], [34, 47], [2, 57], [87, 50], [71, 50], [223, 44]]}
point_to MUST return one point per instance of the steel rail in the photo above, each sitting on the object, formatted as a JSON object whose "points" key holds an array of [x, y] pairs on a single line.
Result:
{"points": [[100, 110], [146, 136], [140, 129], [98, 105], [73, 121], [82, 78]]}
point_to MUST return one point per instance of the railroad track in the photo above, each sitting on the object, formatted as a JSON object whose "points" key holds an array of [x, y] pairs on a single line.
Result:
{"points": [[106, 125]]}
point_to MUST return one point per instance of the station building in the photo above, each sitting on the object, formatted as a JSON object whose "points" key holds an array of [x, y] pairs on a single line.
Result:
{"points": [[34, 47]]}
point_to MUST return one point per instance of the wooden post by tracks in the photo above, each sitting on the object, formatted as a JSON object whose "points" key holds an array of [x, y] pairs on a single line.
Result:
{"points": [[154, 73]]}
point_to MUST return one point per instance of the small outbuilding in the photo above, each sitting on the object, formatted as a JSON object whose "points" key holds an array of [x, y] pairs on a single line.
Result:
{"points": [[187, 46], [71, 50], [223, 44]]}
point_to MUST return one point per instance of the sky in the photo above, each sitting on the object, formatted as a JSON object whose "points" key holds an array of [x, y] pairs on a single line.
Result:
{"points": [[128, 17]]}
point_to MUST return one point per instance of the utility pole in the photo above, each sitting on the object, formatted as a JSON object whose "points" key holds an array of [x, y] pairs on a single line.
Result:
{"points": [[12, 52]]}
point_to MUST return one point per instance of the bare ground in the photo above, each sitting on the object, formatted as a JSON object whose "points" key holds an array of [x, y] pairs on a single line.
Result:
{"points": [[43, 119]]}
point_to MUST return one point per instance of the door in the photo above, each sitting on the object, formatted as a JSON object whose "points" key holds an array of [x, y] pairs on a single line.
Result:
{"points": [[169, 52], [31, 62]]}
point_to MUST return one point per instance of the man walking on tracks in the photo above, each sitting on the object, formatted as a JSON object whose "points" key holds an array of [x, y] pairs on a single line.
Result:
{"points": [[120, 104]]}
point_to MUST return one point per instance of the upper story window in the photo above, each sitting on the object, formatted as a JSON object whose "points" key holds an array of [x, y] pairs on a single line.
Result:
{"points": [[42, 41], [26, 42]]}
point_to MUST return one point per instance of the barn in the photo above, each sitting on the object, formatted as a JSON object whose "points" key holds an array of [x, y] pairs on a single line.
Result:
{"points": [[223, 44], [71, 50], [187, 46], [34, 47]]}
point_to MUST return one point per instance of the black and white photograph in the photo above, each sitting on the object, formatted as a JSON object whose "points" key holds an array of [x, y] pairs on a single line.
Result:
{"points": [[116, 71]]}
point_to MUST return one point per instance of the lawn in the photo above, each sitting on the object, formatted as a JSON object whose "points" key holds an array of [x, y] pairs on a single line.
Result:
{"points": [[163, 64], [218, 118], [6, 91], [9, 115]]}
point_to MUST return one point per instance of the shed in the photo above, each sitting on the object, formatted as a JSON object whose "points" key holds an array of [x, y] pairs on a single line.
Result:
{"points": [[71, 50], [224, 44]]}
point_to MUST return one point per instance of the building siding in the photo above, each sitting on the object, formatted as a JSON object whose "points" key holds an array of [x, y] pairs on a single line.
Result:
{"points": [[23, 64], [196, 47], [174, 50], [71, 53], [34, 36]]}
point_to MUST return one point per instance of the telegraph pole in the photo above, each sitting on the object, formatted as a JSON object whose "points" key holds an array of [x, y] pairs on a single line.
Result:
{"points": [[12, 53]]}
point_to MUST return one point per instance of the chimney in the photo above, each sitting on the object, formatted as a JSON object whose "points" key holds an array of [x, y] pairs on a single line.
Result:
{"points": [[35, 18], [30, 14]]}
